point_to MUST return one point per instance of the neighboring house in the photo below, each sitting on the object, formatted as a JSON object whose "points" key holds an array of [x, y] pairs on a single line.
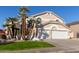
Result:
{"points": [[52, 26], [74, 26], [2, 33]]}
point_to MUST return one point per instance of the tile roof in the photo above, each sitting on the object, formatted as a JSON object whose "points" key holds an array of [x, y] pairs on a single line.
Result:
{"points": [[73, 23]]}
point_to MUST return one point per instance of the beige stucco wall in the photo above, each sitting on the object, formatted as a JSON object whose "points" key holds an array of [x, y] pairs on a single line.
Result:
{"points": [[48, 17], [75, 29], [57, 26], [71, 34]]}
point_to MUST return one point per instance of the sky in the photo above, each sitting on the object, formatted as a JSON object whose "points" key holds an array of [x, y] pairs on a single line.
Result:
{"points": [[68, 13]]}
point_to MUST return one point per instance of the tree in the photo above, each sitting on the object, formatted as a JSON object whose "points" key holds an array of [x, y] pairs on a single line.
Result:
{"points": [[8, 28], [31, 28], [23, 15], [10, 25]]}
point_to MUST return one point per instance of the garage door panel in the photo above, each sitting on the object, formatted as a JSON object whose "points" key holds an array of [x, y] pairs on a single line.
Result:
{"points": [[59, 35]]}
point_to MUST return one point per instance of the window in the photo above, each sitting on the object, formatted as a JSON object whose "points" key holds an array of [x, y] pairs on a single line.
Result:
{"points": [[57, 20]]}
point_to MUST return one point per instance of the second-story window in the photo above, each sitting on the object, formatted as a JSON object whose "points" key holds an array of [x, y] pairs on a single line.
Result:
{"points": [[57, 20]]}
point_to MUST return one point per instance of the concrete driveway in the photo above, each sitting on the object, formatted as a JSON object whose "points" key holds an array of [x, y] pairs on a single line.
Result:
{"points": [[66, 45]]}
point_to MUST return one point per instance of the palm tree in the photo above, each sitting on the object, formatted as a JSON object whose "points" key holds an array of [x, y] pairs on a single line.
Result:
{"points": [[23, 15], [10, 24], [8, 28], [30, 27]]}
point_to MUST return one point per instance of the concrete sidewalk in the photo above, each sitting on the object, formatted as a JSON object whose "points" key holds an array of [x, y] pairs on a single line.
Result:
{"points": [[40, 50]]}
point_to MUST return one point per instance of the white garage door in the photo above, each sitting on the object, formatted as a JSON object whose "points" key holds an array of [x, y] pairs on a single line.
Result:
{"points": [[59, 35]]}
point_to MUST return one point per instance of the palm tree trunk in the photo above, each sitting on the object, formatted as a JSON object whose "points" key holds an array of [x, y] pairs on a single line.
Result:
{"points": [[23, 27]]}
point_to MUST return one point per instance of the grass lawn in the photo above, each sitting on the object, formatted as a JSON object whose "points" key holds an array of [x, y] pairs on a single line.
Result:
{"points": [[25, 45]]}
